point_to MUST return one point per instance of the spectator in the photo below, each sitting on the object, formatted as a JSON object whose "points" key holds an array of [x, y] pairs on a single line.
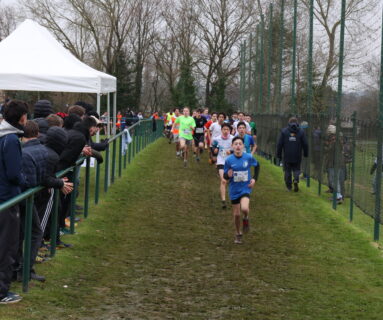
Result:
{"points": [[78, 110], [87, 107], [54, 120], [15, 117], [56, 142], [34, 161], [42, 109], [292, 141], [335, 185]]}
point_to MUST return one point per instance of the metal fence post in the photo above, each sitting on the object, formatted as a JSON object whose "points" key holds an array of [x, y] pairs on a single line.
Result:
{"points": [[310, 91], [261, 67], [248, 93], [120, 158], [339, 105], [269, 59], [379, 153], [280, 64], [113, 160], [97, 186], [294, 62], [353, 166], [72, 208], [54, 222], [106, 176], [241, 79], [27, 243], [87, 187]]}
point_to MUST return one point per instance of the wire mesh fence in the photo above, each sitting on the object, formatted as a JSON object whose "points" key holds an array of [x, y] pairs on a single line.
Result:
{"points": [[321, 61]]}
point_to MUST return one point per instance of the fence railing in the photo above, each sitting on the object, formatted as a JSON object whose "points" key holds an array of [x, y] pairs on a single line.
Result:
{"points": [[347, 166], [142, 133]]}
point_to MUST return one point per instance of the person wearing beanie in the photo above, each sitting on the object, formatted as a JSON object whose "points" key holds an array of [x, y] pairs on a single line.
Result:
{"points": [[15, 117], [42, 109]]}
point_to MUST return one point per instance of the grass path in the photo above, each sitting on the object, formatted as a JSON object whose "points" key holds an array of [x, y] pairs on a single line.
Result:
{"points": [[159, 247]]}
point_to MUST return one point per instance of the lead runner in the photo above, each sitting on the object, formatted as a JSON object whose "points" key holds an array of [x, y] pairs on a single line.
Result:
{"points": [[237, 171]]}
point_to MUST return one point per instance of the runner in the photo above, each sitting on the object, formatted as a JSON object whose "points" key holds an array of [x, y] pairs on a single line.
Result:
{"points": [[175, 131], [208, 142], [250, 146], [168, 125], [215, 132], [199, 134], [237, 172], [222, 148], [253, 126], [241, 118], [186, 127]]}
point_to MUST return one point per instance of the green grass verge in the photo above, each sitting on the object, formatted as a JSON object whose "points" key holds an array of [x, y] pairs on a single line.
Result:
{"points": [[158, 246]]}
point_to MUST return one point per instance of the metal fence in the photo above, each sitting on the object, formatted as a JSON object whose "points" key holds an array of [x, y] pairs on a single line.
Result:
{"points": [[339, 102], [142, 133]]}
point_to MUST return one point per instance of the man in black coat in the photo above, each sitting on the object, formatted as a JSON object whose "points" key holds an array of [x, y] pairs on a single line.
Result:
{"points": [[292, 141], [56, 142], [34, 160], [78, 144]]}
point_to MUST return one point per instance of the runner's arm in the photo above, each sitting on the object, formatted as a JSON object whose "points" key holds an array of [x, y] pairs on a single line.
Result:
{"points": [[257, 168]]}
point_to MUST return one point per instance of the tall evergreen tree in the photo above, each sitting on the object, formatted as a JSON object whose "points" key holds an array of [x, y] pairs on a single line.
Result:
{"points": [[185, 91]]}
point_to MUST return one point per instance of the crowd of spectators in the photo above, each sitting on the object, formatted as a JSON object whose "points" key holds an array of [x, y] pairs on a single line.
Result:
{"points": [[31, 153]]}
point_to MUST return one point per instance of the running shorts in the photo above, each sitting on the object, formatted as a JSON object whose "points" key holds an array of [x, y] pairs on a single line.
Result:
{"points": [[238, 200]]}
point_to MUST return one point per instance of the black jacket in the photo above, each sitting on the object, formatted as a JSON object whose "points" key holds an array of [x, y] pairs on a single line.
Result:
{"points": [[56, 142], [34, 161], [77, 139], [292, 141]]}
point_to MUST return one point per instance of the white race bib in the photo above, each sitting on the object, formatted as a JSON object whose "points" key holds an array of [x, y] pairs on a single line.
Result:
{"points": [[187, 131], [240, 176], [199, 130]]}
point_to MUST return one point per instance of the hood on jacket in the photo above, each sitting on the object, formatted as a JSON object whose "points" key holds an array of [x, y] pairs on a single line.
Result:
{"points": [[6, 128], [293, 127], [70, 121], [56, 139], [79, 126], [43, 125]]}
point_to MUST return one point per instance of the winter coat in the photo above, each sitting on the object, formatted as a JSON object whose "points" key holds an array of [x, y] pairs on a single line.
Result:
{"points": [[56, 142], [292, 141], [43, 128], [10, 162], [77, 139], [34, 162]]}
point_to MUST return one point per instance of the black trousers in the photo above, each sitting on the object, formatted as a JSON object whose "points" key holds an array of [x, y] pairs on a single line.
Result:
{"points": [[291, 170], [9, 243]]}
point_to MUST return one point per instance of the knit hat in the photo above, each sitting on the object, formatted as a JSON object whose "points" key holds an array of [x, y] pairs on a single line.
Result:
{"points": [[43, 108], [56, 139]]}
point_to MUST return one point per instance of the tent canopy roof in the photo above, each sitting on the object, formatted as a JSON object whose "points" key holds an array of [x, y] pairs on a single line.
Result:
{"points": [[31, 59]]}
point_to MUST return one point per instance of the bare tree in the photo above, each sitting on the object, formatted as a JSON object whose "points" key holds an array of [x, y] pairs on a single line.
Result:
{"points": [[221, 25], [95, 31], [8, 19]]}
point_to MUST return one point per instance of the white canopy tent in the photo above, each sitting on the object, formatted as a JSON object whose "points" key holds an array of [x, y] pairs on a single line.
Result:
{"points": [[31, 59]]}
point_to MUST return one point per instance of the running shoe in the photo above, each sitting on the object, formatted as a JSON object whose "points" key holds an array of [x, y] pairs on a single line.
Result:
{"points": [[238, 239], [197, 159], [245, 225], [62, 245], [185, 163], [11, 298], [224, 205], [296, 188]]}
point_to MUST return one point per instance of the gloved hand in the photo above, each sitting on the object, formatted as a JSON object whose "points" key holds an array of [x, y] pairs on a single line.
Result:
{"points": [[97, 155]]}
